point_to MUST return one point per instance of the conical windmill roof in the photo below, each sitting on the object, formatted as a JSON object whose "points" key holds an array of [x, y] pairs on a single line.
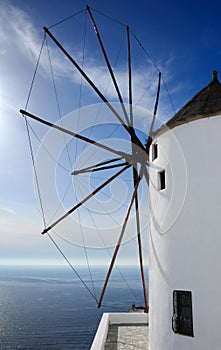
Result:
{"points": [[205, 103]]}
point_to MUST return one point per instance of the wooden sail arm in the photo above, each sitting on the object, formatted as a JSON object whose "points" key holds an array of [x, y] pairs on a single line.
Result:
{"points": [[99, 93], [147, 176], [108, 64], [76, 172], [135, 175], [140, 243], [149, 140], [118, 243], [86, 77], [85, 199], [90, 170], [78, 136], [129, 77], [134, 137]]}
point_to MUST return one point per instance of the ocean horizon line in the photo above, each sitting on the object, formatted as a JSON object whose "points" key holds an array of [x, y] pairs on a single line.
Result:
{"points": [[30, 263]]}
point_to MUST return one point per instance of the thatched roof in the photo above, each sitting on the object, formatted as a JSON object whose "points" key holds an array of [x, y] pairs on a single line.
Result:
{"points": [[205, 103]]}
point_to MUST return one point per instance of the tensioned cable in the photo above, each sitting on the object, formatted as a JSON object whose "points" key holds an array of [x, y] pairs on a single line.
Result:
{"points": [[122, 24], [133, 238], [156, 66], [146, 90], [29, 137], [67, 18], [101, 105], [37, 182], [76, 152], [145, 51], [83, 181], [57, 100], [86, 253], [101, 237], [72, 267], [170, 99], [29, 95], [84, 245], [62, 254], [28, 127], [55, 242], [108, 250], [107, 61], [60, 202], [35, 174], [109, 17], [43, 146], [35, 72], [101, 206], [65, 138], [81, 83]]}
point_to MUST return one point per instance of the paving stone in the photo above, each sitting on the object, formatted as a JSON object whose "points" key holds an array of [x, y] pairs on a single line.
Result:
{"points": [[127, 337]]}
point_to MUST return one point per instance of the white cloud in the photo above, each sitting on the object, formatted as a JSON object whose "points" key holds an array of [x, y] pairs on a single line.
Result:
{"points": [[20, 46], [16, 30], [20, 40], [7, 210], [19, 37]]}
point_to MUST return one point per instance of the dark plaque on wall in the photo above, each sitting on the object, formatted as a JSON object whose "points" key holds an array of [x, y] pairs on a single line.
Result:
{"points": [[182, 322]]}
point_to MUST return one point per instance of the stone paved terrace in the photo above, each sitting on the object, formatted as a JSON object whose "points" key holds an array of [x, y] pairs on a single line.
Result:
{"points": [[118, 331], [127, 337]]}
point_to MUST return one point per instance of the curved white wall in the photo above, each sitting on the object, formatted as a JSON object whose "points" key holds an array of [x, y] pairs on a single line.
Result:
{"points": [[185, 238]]}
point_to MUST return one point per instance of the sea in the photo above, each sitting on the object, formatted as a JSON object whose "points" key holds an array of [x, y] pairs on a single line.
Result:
{"points": [[49, 307]]}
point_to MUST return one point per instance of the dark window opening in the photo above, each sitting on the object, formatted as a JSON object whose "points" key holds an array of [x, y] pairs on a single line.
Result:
{"points": [[182, 322], [154, 151], [162, 180]]}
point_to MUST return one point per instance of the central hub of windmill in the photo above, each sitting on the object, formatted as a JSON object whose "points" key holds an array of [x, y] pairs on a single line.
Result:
{"points": [[140, 156]]}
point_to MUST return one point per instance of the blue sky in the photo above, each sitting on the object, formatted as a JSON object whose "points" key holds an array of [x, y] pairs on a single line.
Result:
{"points": [[182, 37]]}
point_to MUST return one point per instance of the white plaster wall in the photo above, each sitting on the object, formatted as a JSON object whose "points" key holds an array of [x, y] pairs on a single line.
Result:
{"points": [[185, 238]]}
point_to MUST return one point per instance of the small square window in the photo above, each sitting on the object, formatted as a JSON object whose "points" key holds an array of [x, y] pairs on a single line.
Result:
{"points": [[162, 180], [154, 151], [182, 322]]}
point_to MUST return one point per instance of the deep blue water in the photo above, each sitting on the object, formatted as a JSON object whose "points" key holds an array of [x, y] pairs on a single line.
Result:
{"points": [[48, 307]]}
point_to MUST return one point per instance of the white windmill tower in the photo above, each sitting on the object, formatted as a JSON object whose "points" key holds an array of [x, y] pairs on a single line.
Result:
{"points": [[185, 238]]}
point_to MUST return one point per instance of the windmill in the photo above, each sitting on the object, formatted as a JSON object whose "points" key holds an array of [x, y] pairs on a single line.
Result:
{"points": [[185, 230], [136, 159]]}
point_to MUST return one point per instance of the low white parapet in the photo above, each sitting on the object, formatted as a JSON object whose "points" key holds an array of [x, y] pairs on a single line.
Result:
{"points": [[115, 318]]}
